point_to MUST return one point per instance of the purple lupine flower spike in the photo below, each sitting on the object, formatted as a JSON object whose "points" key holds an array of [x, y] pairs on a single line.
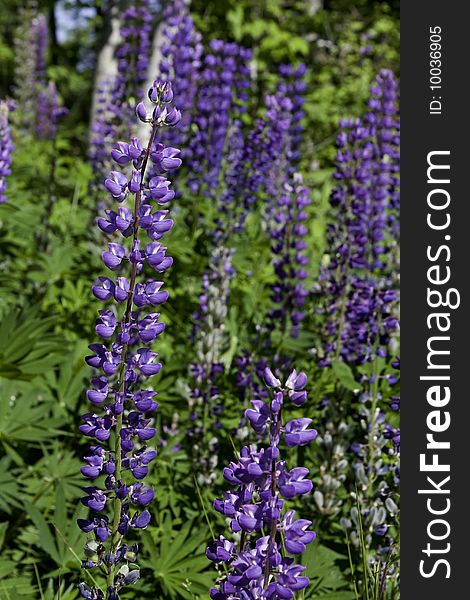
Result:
{"points": [[260, 483], [294, 87], [39, 37], [50, 112], [224, 78], [358, 283], [360, 309], [132, 56], [30, 71], [289, 293], [101, 130], [124, 361], [6, 147], [210, 341], [117, 97], [181, 53]]}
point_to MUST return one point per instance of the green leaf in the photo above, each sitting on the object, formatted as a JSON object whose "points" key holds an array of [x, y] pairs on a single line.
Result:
{"points": [[46, 539], [178, 560], [9, 490], [344, 375], [235, 19]]}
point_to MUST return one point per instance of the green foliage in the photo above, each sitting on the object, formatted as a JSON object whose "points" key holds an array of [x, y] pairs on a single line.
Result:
{"points": [[177, 559]]}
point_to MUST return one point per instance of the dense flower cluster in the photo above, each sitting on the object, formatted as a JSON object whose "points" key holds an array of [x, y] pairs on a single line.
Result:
{"points": [[360, 310], [50, 112], [102, 130], [132, 55], [181, 52], [210, 342], [233, 203], [289, 292], [270, 177], [39, 45], [333, 463], [377, 473], [359, 287], [294, 87], [6, 147], [224, 79], [270, 142], [116, 97], [133, 51], [30, 72], [260, 567], [384, 122], [124, 358]]}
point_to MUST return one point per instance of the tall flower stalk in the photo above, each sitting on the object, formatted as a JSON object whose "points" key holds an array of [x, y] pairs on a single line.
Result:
{"points": [[117, 97], [6, 147], [181, 52], [50, 112], [356, 281], [294, 87], [288, 247], [30, 68], [210, 342], [360, 301], [259, 565], [224, 79], [124, 426], [133, 59], [101, 131]]}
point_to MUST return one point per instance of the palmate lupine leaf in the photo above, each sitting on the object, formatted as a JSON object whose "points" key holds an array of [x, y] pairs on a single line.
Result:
{"points": [[67, 382], [55, 591], [53, 266], [12, 586], [46, 539], [178, 561], [57, 468], [28, 344], [26, 419], [9, 489], [326, 574], [57, 535]]}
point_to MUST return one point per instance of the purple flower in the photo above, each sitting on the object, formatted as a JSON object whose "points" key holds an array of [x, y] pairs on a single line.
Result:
{"points": [[181, 52], [158, 190], [220, 550], [297, 434], [289, 293], [117, 185], [260, 484], [165, 158], [150, 293], [121, 360], [6, 147], [224, 78], [296, 533], [95, 501], [362, 241], [49, 112]]}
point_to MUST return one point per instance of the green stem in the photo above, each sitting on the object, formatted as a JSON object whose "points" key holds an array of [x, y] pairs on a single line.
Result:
{"points": [[272, 535], [371, 440]]}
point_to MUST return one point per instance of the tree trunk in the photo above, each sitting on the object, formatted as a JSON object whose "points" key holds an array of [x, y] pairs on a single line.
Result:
{"points": [[106, 63]]}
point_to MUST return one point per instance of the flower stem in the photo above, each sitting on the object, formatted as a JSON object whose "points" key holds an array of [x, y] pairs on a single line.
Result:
{"points": [[272, 535], [117, 507]]}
